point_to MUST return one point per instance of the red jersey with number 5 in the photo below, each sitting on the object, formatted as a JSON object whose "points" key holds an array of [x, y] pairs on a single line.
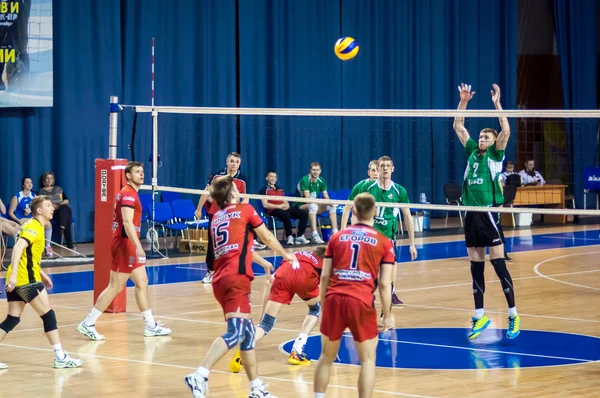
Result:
{"points": [[356, 253], [232, 235], [128, 197]]}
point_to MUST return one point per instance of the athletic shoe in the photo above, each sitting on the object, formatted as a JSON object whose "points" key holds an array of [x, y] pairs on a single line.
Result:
{"points": [[67, 362], [260, 392], [208, 277], [298, 359], [3, 366], [396, 301], [301, 240], [258, 245], [478, 326], [506, 258], [89, 331], [317, 239], [290, 240], [514, 326], [157, 330], [235, 366], [197, 384], [49, 252]]}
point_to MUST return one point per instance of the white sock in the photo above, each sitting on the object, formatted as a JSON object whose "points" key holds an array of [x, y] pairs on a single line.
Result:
{"points": [[58, 351], [149, 319], [334, 230], [92, 317], [315, 233], [256, 382], [319, 395], [300, 343], [393, 288], [203, 372], [512, 311], [479, 313]]}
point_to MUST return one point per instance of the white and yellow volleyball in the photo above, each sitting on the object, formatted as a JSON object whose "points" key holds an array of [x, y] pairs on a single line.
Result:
{"points": [[346, 48]]}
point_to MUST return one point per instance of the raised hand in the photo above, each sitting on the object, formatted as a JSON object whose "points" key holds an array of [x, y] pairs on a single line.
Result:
{"points": [[465, 92], [495, 94]]}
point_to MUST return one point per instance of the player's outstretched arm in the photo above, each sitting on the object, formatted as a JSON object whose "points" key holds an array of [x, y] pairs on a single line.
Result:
{"points": [[410, 227], [502, 140], [257, 258], [127, 214], [325, 275], [203, 199], [385, 292], [345, 216], [459, 121], [17, 252], [270, 240]]}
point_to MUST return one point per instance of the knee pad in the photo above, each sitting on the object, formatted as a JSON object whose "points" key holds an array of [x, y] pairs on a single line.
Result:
{"points": [[49, 319], [314, 310], [313, 208], [10, 323], [502, 272], [235, 332], [249, 336], [267, 323], [332, 209]]}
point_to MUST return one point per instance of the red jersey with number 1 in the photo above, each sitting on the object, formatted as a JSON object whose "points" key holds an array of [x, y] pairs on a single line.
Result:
{"points": [[356, 253], [128, 197], [232, 236]]}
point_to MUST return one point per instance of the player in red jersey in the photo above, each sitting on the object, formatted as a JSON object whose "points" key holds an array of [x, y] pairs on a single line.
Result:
{"points": [[129, 258], [289, 281], [358, 258], [233, 230]]}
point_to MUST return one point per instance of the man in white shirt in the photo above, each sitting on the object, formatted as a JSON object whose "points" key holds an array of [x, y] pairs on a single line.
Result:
{"points": [[529, 176], [509, 169]]}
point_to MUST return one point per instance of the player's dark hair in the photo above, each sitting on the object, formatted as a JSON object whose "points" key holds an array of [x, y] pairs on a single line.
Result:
{"points": [[37, 203], [271, 171], [220, 190], [23, 181], [489, 130], [364, 204], [510, 163], [130, 167], [529, 159], [43, 178], [320, 252]]}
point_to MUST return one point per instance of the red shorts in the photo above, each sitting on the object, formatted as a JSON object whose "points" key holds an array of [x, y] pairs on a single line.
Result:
{"points": [[341, 312], [233, 292], [287, 284], [124, 256]]}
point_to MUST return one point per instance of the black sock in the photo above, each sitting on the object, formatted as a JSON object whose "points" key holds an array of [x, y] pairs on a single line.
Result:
{"points": [[505, 279], [477, 269]]}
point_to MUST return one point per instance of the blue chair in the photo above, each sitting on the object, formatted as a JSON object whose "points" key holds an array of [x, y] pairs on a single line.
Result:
{"points": [[169, 197], [163, 214]]}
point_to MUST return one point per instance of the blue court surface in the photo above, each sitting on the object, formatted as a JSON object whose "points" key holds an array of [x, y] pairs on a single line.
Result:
{"points": [[80, 281], [450, 349]]}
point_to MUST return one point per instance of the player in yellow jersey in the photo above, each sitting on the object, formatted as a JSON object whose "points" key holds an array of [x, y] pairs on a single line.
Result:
{"points": [[27, 283]]}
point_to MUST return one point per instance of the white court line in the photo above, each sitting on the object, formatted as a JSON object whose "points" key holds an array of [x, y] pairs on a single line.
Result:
{"points": [[212, 371], [497, 281], [537, 266], [484, 350], [571, 238], [435, 307]]}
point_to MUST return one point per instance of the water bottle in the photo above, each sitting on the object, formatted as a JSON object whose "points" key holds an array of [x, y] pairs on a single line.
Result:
{"points": [[426, 214]]}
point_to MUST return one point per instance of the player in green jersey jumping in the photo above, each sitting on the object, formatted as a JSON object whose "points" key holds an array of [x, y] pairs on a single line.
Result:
{"points": [[481, 187]]}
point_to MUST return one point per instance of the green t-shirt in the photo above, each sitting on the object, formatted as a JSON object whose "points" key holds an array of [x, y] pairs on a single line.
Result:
{"points": [[481, 186], [314, 187], [386, 220], [356, 189]]}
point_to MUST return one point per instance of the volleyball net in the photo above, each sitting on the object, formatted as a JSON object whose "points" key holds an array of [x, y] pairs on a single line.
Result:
{"points": [[182, 147]]}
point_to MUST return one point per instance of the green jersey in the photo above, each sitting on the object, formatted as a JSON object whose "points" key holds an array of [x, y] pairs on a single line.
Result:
{"points": [[481, 186], [314, 187], [386, 220], [356, 189]]}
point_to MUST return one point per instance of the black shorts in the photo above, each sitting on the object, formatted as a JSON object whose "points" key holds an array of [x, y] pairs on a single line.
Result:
{"points": [[25, 293], [483, 229]]}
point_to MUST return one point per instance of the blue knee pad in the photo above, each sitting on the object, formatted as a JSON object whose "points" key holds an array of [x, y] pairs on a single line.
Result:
{"points": [[267, 323], [314, 310], [235, 332], [249, 336]]}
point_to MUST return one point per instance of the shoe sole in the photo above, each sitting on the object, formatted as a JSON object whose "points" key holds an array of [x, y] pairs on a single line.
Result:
{"points": [[298, 363], [474, 335], [157, 335], [514, 336], [89, 335], [67, 366]]}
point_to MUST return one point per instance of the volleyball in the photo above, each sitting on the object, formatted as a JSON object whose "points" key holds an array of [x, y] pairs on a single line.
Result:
{"points": [[346, 48]]}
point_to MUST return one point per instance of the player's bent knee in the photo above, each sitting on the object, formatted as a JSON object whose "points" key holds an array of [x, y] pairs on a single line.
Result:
{"points": [[313, 208], [314, 309], [10, 323], [267, 323], [249, 336], [331, 209], [49, 319], [235, 332]]}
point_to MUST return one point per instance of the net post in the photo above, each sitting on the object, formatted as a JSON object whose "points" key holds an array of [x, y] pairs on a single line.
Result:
{"points": [[113, 127], [153, 252]]}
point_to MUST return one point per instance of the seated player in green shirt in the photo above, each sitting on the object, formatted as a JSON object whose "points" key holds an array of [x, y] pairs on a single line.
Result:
{"points": [[310, 186]]}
